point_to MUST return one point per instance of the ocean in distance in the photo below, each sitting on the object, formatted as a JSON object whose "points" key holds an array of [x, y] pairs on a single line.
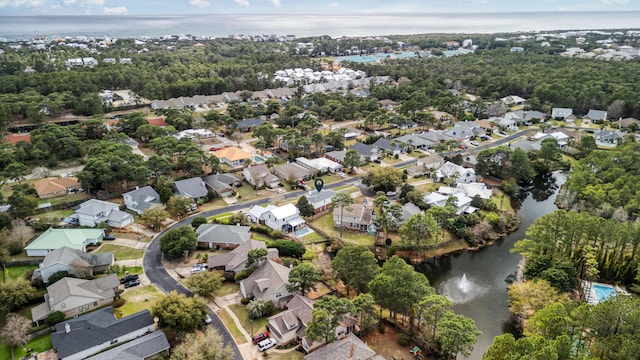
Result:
{"points": [[221, 25]]}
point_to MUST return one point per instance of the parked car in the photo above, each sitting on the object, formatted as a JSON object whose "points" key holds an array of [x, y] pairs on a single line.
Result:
{"points": [[266, 344], [207, 319], [503, 132], [109, 237], [128, 278], [69, 174], [196, 270], [132, 283], [279, 191], [342, 175], [391, 193], [377, 161], [485, 137], [255, 339], [474, 143]]}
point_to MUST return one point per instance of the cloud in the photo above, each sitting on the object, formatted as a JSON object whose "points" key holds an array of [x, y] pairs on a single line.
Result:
{"points": [[473, 2], [243, 3], [333, 5], [118, 10], [276, 3], [614, 1], [84, 2], [19, 3], [200, 3]]}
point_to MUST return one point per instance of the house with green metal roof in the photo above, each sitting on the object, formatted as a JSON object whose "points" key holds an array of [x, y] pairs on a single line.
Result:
{"points": [[53, 239]]}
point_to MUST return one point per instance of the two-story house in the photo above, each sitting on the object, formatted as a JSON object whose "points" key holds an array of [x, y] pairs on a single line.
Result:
{"points": [[353, 217], [93, 212], [320, 200], [285, 218], [268, 283]]}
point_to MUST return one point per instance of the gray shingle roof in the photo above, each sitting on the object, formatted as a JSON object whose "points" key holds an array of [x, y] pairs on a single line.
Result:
{"points": [[227, 234], [145, 197], [138, 349], [250, 123], [316, 197], [221, 182], [596, 114], [68, 255], [94, 207], [267, 278], [193, 188], [98, 327], [291, 171], [362, 149], [348, 348]]}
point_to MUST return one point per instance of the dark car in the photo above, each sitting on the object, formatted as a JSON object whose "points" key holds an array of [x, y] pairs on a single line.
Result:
{"points": [[128, 278], [259, 337], [109, 237], [132, 283]]}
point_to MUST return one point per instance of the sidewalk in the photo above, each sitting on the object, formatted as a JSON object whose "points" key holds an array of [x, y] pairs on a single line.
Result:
{"points": [[221, 303]]}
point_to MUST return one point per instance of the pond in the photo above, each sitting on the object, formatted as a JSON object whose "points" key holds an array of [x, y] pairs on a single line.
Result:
{"points": [[476, 280]]}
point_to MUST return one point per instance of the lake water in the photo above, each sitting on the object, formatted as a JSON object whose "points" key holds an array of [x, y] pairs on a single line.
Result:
{"points": [[475, 281]]}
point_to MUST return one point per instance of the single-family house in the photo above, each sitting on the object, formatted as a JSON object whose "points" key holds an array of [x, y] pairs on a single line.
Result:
{"points": [[322, 165], [366, 152], [222, 236], [290, 325], [249, 124], [14, 138], [626, 122], [260, 176], [292, 172], [93, 212], [236, 259], [435, 137], [336, 156], [460, 174], [505, 124], [320, 200], [76, 262], [565, 114], [232, 156], [384, 145], [608, 137], [413, 141], [76, 296], [193, 188], [53, 239], [140, 199], [285, 218], [387, 104], [347, 348], [224, 184], [512, 100], [87, 335], [157, 121], [143, 348], [268, 283], [353, 217], [52, 187], [409, 209], [595, 116]]}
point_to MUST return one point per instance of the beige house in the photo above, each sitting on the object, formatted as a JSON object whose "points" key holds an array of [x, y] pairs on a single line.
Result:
{"points": [[76, 296], [268, 283], [353, 217], [53, 187]]}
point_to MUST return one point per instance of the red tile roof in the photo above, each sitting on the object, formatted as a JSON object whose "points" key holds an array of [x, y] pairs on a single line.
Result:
{"points": [[159, 121], [15, 138]]}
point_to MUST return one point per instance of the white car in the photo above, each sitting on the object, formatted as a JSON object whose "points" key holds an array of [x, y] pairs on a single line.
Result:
{"points": [[266, 344], [279, 191], [207, 319], [474, 143]]}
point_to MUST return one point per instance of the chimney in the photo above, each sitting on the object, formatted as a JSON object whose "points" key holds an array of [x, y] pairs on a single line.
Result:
{"points": [[67, 328]]}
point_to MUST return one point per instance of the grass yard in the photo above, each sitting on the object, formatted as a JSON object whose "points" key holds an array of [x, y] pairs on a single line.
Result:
{"points": [[292, 355], [221, 216], [132, 270], [262, 237], [246, 192], [352, 237], [121, 252], [138, 298], [38, 345], [231, 325], [131, 236], [330, 179], [503, 201], [347, 188], [257, 326], [17, 272], [312, 238], [58, 214], [228, 288], [66, 199]]}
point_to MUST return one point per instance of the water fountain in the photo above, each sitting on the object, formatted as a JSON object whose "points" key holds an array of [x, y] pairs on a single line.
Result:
{"points": [[461, 289]]}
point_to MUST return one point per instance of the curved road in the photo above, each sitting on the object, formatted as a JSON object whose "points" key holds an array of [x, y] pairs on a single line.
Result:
{"points": [[159, 276]]}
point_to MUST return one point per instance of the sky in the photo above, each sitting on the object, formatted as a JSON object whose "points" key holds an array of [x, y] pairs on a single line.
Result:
{"points": [[325, 7]]}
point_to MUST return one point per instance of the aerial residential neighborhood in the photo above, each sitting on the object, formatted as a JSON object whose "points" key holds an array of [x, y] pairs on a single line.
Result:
{"points": [[431, 196]]}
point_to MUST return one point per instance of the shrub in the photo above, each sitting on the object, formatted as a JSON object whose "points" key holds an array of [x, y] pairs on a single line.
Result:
{"points": [[241, 275], [276, 234], [268, 309], [244, 301], [197, 221], [404, 339], [15, 248], [54, 318], [58, 275], [288, 248], [118, 303], [290, 262]]}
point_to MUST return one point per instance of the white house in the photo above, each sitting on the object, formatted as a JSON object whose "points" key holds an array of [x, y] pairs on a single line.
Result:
{"points": [[456, 172], [285, 218], [93, 212]]}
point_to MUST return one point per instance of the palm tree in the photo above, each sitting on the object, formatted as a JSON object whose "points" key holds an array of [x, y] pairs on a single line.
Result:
{"points": [[255, 309]]}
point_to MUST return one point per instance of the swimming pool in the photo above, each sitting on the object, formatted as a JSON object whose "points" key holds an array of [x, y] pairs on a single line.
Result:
{"points": [[258, 159], [303, 232], [603, 291]]}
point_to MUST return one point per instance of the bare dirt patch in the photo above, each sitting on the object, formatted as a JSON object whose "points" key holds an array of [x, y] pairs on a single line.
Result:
{"points": [[386, 344]]}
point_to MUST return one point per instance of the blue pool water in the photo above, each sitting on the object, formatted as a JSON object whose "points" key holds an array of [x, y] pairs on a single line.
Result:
{"points": [[303, 232], [603, 292], [258, 159]]}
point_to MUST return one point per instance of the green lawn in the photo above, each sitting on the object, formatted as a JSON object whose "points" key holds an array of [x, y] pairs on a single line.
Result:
{"points": [[312, 238], [228, 288], [257, 326], [292, 355], [58, 214], [138, 298], [220, 216], [137, 270], [246, 192], [503, 201], [66, 199], [352, 237], [38, 345], [17, 272], [121, 252], [131, 236], [231, 325]]}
